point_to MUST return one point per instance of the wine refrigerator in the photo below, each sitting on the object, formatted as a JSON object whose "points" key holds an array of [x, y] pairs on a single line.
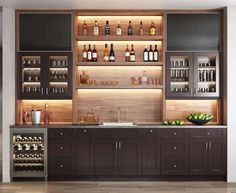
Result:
{"points": [[28, 152]]}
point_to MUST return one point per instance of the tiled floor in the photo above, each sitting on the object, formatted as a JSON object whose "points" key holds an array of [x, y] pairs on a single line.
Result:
{"points": [[118, 187]]}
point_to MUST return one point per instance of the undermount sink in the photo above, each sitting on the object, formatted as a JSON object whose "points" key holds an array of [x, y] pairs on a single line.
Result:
{"points": [[118, 124]]}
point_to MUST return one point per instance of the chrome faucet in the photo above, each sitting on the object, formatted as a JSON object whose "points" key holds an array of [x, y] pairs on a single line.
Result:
{"points": [[118, 115]]}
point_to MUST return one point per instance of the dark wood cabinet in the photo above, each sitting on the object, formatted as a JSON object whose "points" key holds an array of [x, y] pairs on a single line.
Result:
{"points": [[150, 152], [45, 75], [85, 151], [192, 75], [208, 152]]}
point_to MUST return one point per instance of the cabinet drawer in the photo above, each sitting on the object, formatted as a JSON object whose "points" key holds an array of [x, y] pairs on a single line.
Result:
{"points": [[148, 132], [117, 133], [82, 132], [209, 133], [62, 133], [173, 148], [173, 133], [61, 166], [61, 148], [174, 166]]}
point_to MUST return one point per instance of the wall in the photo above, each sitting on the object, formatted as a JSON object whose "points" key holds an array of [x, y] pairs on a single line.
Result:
{"points": [[8, 90]]}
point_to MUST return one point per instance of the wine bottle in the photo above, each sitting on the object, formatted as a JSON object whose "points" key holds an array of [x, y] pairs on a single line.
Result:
{"points": [[84, 29], [141, 30], [105, 54], [118, 29], [89, 54], [112, 54], [94, 54], [85, 54], [107, 28], [127, 53], [152, 30], [132, 54], [130, 29], [156, 54], [145, 55], [150, 54], [96, 29]]}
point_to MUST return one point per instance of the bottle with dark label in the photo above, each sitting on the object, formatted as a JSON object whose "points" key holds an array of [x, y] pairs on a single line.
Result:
{"points": [[84, 29], [94, 54], [118, 30], [96, 29], [145, 54], [141, 30], [156, 54], [89, 57], [152, 30], [127, 53], [105, 54], [112, 54], [130, 29], [107, 28], [132, 54], [150, 54]]}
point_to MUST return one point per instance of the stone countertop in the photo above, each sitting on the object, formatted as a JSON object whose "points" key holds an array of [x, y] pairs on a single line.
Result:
{"points": [[102, 126]]}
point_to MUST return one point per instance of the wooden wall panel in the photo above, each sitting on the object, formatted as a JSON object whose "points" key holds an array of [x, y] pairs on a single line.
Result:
{"points": [[179, 109], [135, 105], [59, 111]]}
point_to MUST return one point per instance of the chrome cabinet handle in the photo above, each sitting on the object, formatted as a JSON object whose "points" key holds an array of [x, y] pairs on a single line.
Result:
{"points": [[209, 145], [61, 166], [116, 145], [42, 91], [175, 166], [174, 133], [61, 147], [206, 145], [61, 133], [119, 145], [46, 90], [85, 131], [174, 147]]}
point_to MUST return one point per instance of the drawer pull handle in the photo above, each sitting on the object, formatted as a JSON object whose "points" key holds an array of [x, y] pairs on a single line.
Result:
{"points": [[61, 148], [174, 133], [85, 131], [174, 147], [61, 133], [151, 131], [61, 166], [175, 166], [208, 133]]}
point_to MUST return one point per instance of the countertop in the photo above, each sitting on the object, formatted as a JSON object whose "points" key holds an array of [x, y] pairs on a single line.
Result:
{"points": [[101, 126]]}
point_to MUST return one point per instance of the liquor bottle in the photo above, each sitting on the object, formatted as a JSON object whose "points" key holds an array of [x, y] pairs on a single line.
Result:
{"points": [[130, 29], [112, 54], [132, 54], [96, 29], [46, 115], [141, 30], [84, 78], [89, 58], [94, 54], [84, 29], [156, 54], [127, 54], [106, 54], [118, 29], [144, 78], [107, 28], [152, 30], [85, 54], [150, 54], [145, 54]]}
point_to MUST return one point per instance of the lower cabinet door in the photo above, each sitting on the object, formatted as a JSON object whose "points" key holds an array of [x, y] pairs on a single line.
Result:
{"points": [[61, 166], [198, 156], [217, 157], [129, 157], [106, 156], [174, 166]]}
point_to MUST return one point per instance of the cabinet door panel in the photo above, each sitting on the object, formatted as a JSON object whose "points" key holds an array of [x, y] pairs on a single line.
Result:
{"points": [[129, 157], [217, 157], [85, 152], [106, 157], [198, 156], [150, 152]]}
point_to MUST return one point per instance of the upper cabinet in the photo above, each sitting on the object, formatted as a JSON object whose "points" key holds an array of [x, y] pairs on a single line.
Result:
{"points": [[45, 75], [192, 74]]}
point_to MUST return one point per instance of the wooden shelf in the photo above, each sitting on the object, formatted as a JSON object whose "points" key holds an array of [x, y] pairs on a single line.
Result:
{"points": [[120, 87], [119, 38], [119, 63]]}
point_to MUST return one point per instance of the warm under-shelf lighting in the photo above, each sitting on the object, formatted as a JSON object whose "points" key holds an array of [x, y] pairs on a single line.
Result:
{"points": [[136, 43], [136, 91], [119, 67], [120, 18]]}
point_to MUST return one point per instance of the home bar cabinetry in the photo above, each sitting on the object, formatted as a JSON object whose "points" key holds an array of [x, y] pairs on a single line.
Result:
{"points": [[122, 69]]}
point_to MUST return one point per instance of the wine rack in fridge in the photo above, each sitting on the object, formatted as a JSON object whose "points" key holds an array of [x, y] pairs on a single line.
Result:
{"points": [[29, 152]]}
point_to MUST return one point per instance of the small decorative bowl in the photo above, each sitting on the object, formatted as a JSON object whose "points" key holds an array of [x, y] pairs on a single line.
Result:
{"points": [[199, 122]]}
